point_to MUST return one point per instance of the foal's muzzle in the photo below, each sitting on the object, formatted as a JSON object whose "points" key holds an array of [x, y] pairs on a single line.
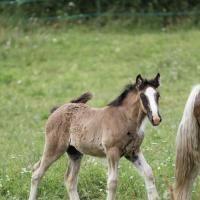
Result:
{"points": [[155, 120]]}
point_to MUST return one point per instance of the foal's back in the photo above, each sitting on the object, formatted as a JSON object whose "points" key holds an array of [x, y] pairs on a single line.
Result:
{"points": [[60, 120], [78, 125]]}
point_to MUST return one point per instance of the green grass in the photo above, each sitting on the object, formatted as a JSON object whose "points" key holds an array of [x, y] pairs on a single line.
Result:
{"points": [[46, 66]]}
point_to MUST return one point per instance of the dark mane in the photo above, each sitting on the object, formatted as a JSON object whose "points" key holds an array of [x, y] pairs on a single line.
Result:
{"points": [[130, 87], [118, 101]]}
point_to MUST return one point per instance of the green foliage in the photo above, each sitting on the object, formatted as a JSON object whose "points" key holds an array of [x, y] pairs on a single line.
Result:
{"points": [[42, 67], [164, 12]]}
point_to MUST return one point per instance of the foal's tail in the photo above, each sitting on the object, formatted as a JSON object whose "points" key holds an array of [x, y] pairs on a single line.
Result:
{"points": [[84, 98], [187, 148]]}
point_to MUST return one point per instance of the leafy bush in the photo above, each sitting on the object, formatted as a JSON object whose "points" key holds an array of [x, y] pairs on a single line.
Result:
{"points": [[169, 11]]}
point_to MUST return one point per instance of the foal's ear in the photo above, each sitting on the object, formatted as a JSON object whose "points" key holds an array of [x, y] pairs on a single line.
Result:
{"points": [[139, 80], [157, 80]]}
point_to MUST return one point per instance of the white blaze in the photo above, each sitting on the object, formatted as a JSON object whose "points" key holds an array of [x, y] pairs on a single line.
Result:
{"points": [[150, 94]]}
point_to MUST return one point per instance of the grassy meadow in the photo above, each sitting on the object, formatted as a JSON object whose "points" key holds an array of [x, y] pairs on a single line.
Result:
{"points": [[42, 67]]}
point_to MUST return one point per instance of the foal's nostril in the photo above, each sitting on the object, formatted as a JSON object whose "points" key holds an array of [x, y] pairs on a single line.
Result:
{"points": [[156, 120]]}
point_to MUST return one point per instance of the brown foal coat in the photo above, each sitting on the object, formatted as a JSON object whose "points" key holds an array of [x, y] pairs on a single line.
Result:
{"points": [[94, 130]]}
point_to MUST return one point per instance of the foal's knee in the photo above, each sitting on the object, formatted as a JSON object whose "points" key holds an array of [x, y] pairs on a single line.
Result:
{"points": [[35, 177], [149, 173], [112, 184], [71, 186], [69, 181], [36, 166]]}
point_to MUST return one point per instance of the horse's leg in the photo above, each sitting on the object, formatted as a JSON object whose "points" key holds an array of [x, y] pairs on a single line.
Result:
{"points": [[183, 189], [113, 160], [72, 172], [145, 171], [51, 153]]}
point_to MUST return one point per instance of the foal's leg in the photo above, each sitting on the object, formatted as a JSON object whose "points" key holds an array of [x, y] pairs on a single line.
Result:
{"points": [[146, 172], [113, 160], [72, 172], [49, 156]]}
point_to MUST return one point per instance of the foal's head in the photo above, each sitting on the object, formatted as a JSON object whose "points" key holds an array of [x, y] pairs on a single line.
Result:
{"points": [[149, 97]]}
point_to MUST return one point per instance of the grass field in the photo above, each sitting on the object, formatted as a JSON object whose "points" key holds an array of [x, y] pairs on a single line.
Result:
{"points": [[46, 66]]}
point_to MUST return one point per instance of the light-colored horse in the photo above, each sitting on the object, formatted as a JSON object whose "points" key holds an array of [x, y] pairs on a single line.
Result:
{"points": [[113, 131], [188, 146]]}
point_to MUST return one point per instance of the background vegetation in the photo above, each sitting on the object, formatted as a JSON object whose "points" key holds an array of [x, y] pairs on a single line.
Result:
{"points": [[164, 12], [87, 6], [41, 66]]}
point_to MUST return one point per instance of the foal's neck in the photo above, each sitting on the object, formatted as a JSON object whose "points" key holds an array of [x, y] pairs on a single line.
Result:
{"points": [[132, 110]]}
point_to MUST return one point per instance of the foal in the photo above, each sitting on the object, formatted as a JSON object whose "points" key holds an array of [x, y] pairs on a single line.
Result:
{"points": [[113, 131]]}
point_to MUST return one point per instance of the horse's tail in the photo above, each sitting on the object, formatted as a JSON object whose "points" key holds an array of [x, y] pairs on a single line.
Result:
{"points": [[186, 147], [84, 98]]}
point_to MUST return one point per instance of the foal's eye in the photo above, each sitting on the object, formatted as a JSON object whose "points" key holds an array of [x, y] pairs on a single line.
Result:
{"points": [[144, 99]]}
